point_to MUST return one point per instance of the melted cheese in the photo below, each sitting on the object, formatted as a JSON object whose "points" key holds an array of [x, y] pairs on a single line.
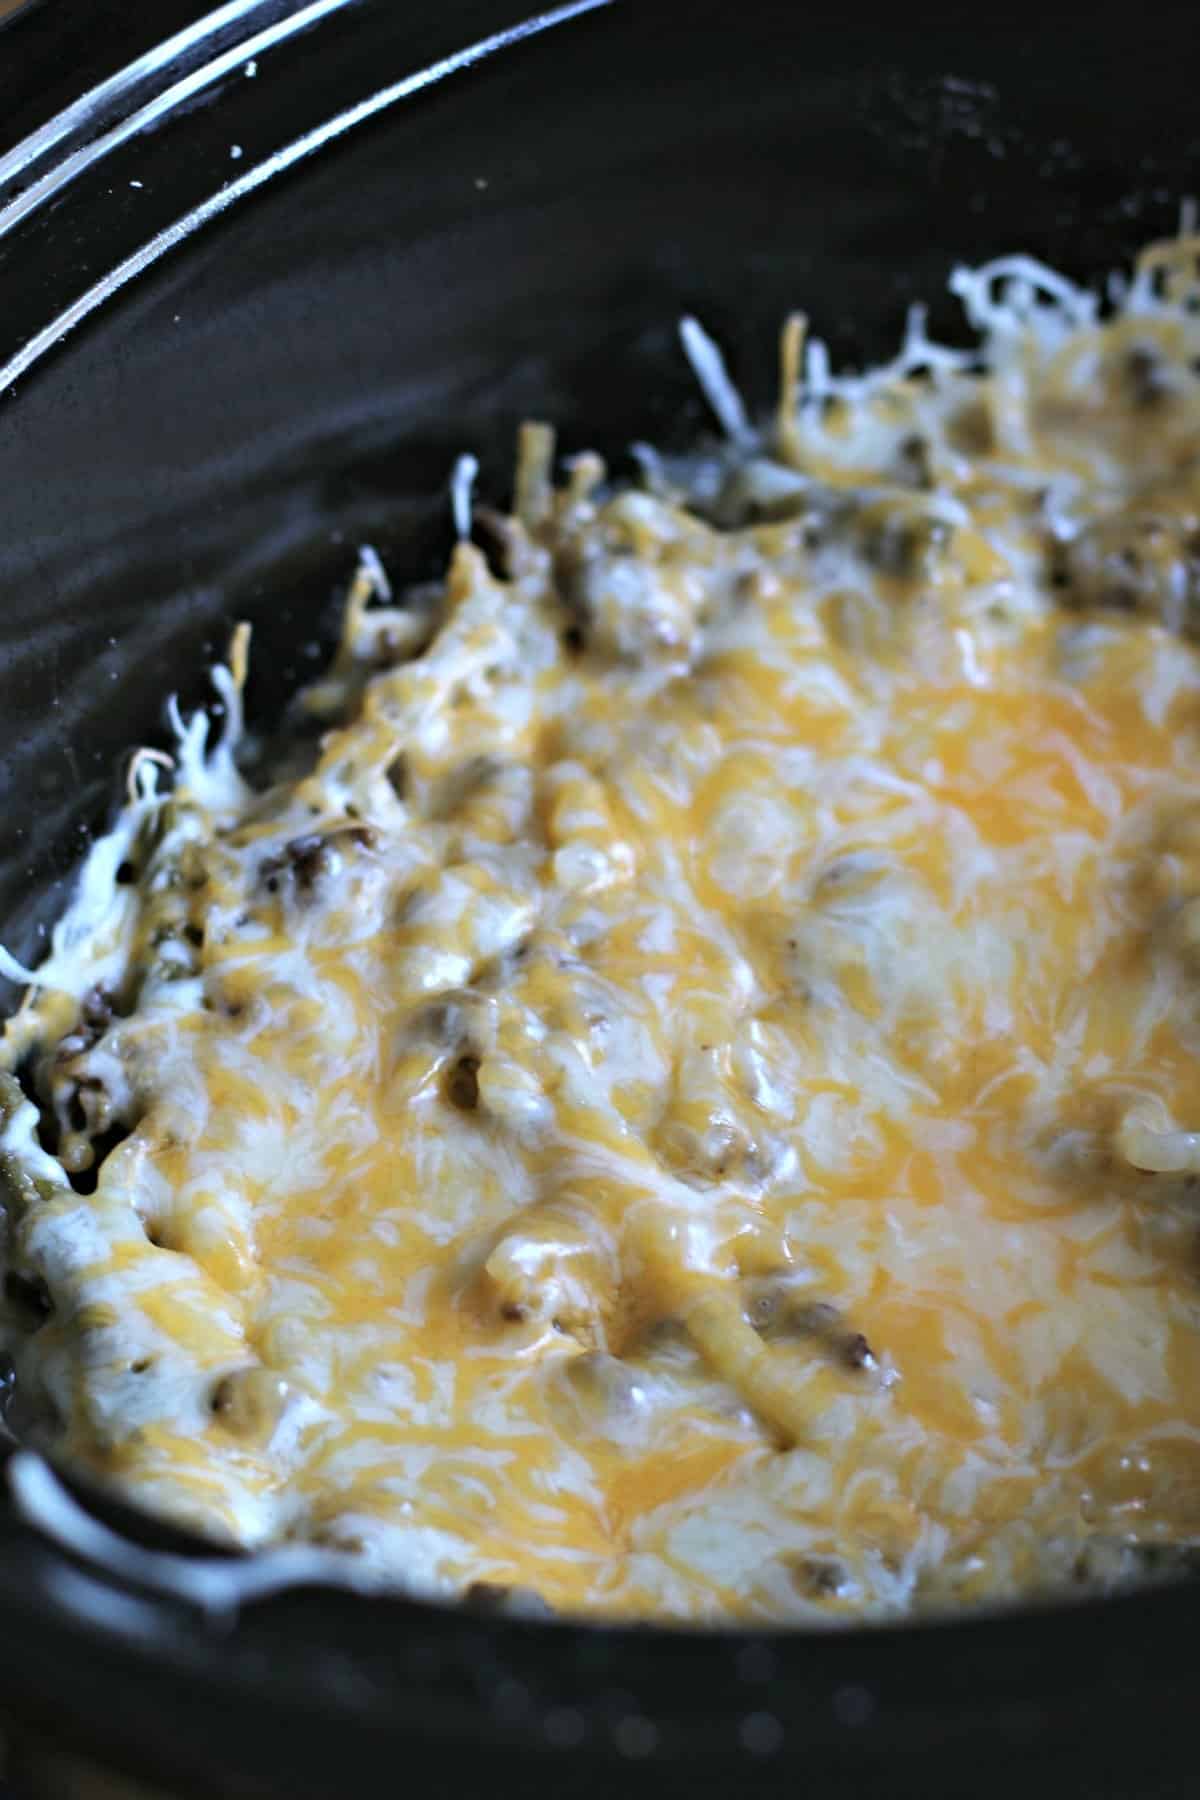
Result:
{"points": [[686, 1102]]}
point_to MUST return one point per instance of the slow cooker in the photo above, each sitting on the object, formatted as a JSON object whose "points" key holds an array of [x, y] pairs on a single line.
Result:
{"points": [[265, 272]]}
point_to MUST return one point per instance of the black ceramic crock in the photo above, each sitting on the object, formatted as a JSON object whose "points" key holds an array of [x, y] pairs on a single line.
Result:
{"points": [[258, 287]]}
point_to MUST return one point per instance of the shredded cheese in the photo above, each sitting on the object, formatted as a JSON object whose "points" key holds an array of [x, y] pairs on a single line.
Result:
{"points": [[684, 1103]]}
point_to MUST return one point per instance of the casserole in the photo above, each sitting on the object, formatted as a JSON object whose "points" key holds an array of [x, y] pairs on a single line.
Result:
{"points": [[162, 474]]}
